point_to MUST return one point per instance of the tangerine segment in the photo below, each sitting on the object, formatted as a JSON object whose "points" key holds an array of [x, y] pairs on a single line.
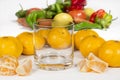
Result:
{"points": [[92, 63], [91, 56], [24, 68], [8, 65], [83, 67], [97, 66]]}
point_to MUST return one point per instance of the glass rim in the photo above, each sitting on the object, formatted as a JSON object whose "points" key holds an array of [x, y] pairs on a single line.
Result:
{"points": [[47, 23]]}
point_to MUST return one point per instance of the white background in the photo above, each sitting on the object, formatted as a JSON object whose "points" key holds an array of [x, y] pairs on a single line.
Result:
{"points": [[9, 27]]}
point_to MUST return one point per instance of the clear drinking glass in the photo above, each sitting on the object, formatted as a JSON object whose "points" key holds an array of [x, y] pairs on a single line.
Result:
{"points": [[55, 52]]}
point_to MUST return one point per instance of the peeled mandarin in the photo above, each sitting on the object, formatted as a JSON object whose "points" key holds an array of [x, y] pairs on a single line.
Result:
{"points": [[24, 68], [83, 67], [8, 65], [92, 63]]}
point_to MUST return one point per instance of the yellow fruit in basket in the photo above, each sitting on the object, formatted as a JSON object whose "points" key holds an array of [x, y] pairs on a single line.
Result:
{"points": [[8, 65], [81, 34], [59, 38], [10, 46], [62, 19], [27, 40], [24, 68], [90, 44], [110, 53], [89, 11]]}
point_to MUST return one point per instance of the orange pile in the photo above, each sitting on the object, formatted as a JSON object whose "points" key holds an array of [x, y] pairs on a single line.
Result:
{"points": [[90, 44], [26, 39], [81, 34]]}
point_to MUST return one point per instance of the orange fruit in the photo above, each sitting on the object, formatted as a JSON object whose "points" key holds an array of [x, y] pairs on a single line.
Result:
{"points": [[24, 68], [10, 46], [92, 63], [43, 32], [59, 38], [81, 34], [110, 53], [27, 40], [90, 44], [8, 65]]}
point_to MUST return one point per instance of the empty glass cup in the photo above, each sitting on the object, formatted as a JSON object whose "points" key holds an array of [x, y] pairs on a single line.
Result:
{"points": [[53, 45]]}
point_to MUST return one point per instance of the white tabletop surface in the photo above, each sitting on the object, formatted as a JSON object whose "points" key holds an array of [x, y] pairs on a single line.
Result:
{"points": [[9, 27]]}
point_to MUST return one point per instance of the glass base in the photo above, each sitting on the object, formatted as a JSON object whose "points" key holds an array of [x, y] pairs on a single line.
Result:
{"points": [[53, 62]]}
